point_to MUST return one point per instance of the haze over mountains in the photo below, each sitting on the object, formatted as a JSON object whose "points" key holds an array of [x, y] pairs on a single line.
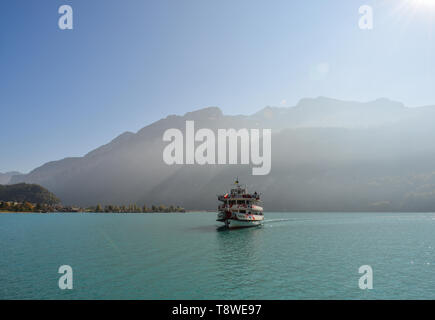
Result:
{"points": [[6, 177], [327, 155]]}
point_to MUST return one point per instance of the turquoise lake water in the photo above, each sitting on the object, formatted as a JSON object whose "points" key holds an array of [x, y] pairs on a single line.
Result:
{"points": [[185, 256]]}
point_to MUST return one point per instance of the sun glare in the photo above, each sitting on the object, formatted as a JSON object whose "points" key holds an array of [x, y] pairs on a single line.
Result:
{"points": [[423, 3], [408, 10]]}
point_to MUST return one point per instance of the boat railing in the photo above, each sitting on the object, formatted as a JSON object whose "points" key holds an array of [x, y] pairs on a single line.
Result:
{"points": [[244, 196], [237, 206]]}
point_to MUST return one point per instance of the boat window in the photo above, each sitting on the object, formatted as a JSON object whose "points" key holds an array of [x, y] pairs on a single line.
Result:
{"points": [[242, 211]]}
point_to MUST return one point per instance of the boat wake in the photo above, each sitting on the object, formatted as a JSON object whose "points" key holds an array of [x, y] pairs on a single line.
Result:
{"points": [[276, 220]]}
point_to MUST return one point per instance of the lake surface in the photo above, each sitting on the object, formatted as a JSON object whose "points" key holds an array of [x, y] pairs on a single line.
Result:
{"points": [[185, 256]]}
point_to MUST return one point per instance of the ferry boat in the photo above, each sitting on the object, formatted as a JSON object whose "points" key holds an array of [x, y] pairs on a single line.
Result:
{"points": [[240, 209]]}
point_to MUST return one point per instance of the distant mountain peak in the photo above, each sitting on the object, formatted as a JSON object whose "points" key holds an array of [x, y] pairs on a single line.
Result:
{"points": [[326, 102], [386, 102], [123, 136], [322, 101], [269, 112], [205, 113]]}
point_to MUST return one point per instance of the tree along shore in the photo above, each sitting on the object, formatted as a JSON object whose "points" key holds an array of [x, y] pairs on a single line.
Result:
{"points": [[133, 208], [12, 206]]}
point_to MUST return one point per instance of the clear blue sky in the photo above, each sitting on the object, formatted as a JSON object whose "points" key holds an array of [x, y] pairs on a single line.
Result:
{"points": [[129, 63]]}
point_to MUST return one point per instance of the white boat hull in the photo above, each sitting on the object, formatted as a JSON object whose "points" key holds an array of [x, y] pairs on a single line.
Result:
{"points": [[234, 224], [240, 220]]}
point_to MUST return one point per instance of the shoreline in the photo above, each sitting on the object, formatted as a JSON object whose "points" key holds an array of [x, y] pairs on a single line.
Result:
{"points": [[193, 211]]}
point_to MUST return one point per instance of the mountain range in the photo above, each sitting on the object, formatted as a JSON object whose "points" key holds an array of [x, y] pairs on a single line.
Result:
{"points": [[327, 155]]}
